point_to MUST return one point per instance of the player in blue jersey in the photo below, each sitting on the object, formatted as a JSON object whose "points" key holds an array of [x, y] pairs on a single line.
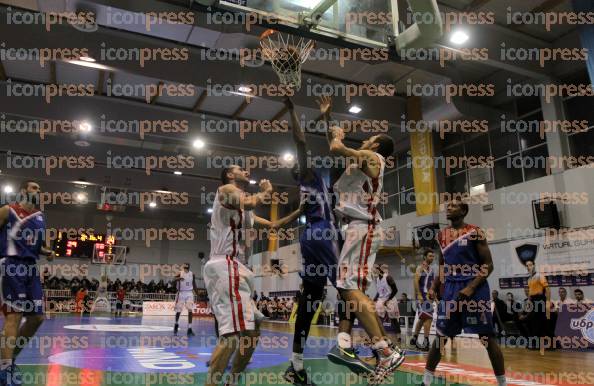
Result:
{"points": [[319, 248], [22, 240], [465, 264], [424, 277]]}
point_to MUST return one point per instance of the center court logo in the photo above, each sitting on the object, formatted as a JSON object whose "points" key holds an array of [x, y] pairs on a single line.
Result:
{"points": [[151, 359], [585, 325]]}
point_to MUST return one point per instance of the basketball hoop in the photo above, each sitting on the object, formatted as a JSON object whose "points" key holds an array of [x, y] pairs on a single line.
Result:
{"points": [[286, 56]]}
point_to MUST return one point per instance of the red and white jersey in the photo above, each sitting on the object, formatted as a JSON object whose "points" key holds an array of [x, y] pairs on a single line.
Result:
{"points": [[228, 231], [359, 194]]}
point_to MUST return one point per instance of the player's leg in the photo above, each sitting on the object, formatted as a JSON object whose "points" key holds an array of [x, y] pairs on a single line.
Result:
{"points": [[248, 342], [496, 357], [178, 310], [219, 360], [306, 309], [190, 308], [10, 333]]}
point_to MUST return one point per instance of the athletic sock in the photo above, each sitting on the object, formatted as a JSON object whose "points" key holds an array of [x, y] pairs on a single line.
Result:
{"points": [[428, 377], [344, 340], [5, 363], [501, 381], [297, 361], [380, 345]]}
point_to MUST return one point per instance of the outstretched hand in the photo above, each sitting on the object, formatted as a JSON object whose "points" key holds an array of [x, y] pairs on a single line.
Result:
{"points": [[325, 103]]}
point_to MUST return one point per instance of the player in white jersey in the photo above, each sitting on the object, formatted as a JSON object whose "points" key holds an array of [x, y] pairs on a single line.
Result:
{"points": [[385, 299], [229, 282], [359, 190], [186, 288]]}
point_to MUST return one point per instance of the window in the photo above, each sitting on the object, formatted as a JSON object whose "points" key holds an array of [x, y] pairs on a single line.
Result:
{"points": [[507, 173], [535, 163], [503, 144]]}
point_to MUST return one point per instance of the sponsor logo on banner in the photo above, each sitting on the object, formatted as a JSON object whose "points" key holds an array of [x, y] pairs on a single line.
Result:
{"points": [[168, 309], [585, 325]]}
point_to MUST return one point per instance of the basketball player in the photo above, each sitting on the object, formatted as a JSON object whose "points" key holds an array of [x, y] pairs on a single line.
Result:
{"points": [[22, 240], [359, 190], [186, 289], [424, 277], [385, 299], [229, 282], [466, 263], [319, 249]]}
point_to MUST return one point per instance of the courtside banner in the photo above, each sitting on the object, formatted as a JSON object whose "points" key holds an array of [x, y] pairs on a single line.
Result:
{"points": [[421, 149], [575, 327], [168, 309]]}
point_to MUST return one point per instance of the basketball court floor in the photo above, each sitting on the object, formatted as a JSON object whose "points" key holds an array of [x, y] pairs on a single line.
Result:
{"points": [[136, 351]]}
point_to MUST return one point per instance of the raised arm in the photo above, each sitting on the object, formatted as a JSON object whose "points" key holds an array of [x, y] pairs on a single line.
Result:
{"points": [[299, 139], [235, 197]]}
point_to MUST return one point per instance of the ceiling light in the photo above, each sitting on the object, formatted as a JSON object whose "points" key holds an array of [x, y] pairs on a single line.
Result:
{"points": [[288, 157], [87, 59], [355, 109], [198, 144], [253, 182], [459, 37], [85, 127], [245, 89], [153, 204], [177, 173], [8, 189], [81, 197], [82, 143], [209, 210], [90, 64]]}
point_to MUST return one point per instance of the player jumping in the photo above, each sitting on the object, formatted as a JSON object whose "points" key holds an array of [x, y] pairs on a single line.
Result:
{"points": [[359, 190], [319, 249], [229, 282], [22, 240], [465, 263], [424, 277], [186, 289]]}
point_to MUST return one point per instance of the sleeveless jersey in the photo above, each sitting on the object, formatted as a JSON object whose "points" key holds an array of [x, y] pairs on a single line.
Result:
{"points": [[425, 281], [318, 199], [23, 235], [227, 231], [461, 258], [383, 288], [187, 281], [359, 194]]}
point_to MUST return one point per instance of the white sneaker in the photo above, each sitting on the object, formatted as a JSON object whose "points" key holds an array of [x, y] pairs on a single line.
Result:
{"points": [[389, 359]]}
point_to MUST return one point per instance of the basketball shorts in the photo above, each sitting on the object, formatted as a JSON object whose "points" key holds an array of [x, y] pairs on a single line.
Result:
{"points": [[319, 251], [184, 299], [389, 307], [230, 286], [20, 286], [361, 242], [473, 316]]}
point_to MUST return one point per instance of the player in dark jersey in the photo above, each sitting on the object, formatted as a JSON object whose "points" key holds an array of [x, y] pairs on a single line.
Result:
{"points": [[319, 248], [465, 264], [22, 240], [424, 277]]}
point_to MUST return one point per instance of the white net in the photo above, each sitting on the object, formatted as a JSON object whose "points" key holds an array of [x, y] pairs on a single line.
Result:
{"points": [[286, 54]]}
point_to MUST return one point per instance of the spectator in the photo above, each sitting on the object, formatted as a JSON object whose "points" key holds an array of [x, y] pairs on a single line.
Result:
{"points": [[578, 295], [499, 310], [255, 296]]}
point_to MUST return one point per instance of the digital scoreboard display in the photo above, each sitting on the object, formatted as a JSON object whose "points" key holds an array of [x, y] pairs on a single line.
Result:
{"points": [[82, 245]]}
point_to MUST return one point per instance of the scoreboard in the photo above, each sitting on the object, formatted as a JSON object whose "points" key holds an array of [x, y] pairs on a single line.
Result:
{"points": [[82, 245]]}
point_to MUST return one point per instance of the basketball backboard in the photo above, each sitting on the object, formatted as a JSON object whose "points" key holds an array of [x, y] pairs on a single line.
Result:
{"points": [[365, 22]]}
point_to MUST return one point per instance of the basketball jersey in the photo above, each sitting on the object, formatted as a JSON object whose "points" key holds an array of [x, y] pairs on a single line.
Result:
{"points": [[461, 258], [426, 280], [359, 194], [383, 288], [23, 235], [318, 199], [187, 281], [227, 231]]}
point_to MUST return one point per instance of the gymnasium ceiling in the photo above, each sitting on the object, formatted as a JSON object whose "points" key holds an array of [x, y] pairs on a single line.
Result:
{"points": [[202, 107]]}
